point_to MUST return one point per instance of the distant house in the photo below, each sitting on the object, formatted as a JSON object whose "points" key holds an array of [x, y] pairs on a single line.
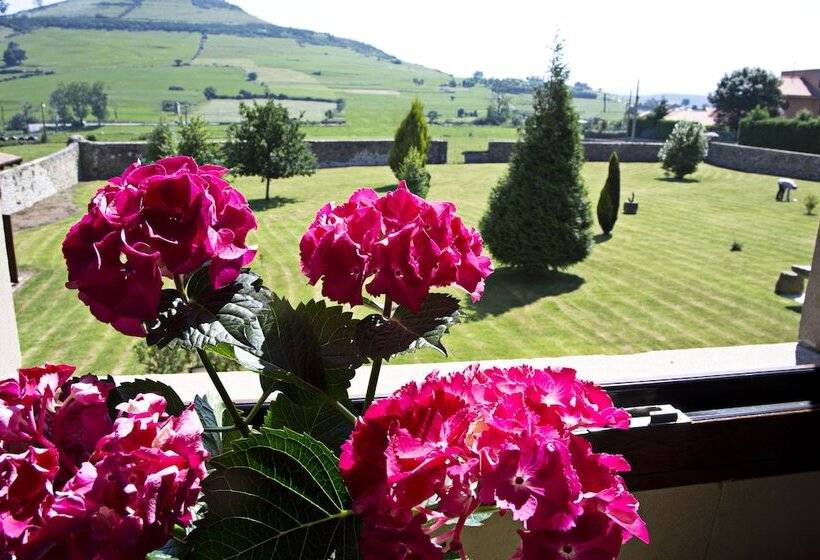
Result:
{"points": [[801, 90]]}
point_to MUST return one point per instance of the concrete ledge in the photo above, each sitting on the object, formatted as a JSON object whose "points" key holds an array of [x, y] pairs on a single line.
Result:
{"points": [[594, 150], [648, 366], [23, 186]]}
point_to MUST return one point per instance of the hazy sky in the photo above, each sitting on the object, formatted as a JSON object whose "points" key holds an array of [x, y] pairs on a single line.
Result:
{"points": [[682, 47]]}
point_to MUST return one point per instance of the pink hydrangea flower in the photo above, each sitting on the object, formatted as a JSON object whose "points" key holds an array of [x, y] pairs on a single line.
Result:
{"points": [[420, 462], [75, 485], [403, 244], [162, 219]]}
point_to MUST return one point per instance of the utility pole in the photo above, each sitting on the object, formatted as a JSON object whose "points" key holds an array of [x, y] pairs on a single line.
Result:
{"points": [[43, 112], [604, 102], [2, 118], [635, 111]]}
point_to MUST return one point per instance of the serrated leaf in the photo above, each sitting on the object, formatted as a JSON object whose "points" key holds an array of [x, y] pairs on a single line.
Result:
{"points": [[278, 495], [209, 317], [379, 337], [229, 436], [317, 419], [313, 342], [211, 440], [130, 389]]}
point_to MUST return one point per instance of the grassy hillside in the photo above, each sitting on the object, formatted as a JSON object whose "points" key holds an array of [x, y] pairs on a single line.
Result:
{"points": [[666, 279], [140, 67]]}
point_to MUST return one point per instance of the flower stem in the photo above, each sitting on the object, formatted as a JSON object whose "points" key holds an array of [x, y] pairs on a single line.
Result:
{"points": [[259, 404], [376, 368], [238, 421]]}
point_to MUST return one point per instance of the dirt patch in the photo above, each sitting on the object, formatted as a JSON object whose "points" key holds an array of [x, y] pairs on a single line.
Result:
{"points": [[47, 211]]}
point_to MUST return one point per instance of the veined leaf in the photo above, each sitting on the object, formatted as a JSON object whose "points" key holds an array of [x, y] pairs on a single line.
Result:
{"points": [[211, 440], [130, 389], [317, 419], [209, 317], [277, 495], [379, 337]]}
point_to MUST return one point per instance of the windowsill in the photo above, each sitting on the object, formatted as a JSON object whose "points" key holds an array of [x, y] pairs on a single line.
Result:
{"points": [[663, 365]]}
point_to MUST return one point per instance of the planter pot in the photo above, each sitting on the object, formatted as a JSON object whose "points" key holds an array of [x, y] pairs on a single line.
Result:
{"points": [[630, 207]]}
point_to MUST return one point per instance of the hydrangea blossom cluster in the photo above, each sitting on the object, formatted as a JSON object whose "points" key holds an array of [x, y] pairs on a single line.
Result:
{"points": [[76, 485], [419, 463], [161, 219], [406, 244]]}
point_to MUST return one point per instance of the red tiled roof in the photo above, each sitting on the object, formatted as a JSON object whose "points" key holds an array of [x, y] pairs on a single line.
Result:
{"points": [[795, 86]]}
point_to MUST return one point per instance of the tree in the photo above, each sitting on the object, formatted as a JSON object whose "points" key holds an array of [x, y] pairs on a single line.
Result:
{"points": [[660, 110], [413, 171], [685, 101], [177, 62], [412, 133], [160, 142], [609, 203], [252, 76], [3, 6], [684, 149], [432, 116], [59, 102], [14, 55], [98, 99], [78, 94], [268, 143], [743, 90], [539, 217], [195, 141], [209, 92], [500, 110]]}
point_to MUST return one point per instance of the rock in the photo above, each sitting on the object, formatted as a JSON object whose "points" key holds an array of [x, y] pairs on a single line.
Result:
{"points": [[789, 284]]}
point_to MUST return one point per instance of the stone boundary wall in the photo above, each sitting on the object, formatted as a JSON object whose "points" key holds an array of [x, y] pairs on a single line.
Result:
{"points": [[102, 160], [29, 183], [594, 150], [752, 159]]}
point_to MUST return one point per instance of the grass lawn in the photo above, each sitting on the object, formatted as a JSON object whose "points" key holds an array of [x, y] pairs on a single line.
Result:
{"points": [[665, 280]]}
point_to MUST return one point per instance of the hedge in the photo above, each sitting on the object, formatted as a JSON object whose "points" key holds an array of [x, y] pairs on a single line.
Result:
{"points": [[797, 135]]}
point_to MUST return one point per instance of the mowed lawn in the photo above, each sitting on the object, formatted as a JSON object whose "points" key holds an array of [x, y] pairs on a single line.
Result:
{"points": [[666, 279]]}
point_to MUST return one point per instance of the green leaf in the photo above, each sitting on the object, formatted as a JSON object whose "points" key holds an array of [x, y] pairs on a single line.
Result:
{"points": [[130, 389], [317, 419], [211, 440], [227, 316], [313, 342], [278, 495], [378, 337]]}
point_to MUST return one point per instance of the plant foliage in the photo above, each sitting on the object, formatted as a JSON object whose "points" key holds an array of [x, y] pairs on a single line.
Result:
{"points": [[685, 148], [413, 171], [412, 133], [609, 202]]}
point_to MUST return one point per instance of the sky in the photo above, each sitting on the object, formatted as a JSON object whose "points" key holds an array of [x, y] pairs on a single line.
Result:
{"points": [[672, 47]]}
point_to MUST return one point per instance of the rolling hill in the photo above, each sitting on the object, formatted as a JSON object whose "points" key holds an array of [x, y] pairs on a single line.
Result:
{"points": [[152, 51]]}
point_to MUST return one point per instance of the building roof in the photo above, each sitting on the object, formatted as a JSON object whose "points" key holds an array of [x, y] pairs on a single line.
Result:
{"points": [[706, 118], [795, 86]]}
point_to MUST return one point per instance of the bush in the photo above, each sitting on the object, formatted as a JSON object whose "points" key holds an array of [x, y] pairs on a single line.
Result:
{"points": [[798, 135], [13, 55], [413, 171], [209, 92], [810, 202], [412, 133], [539, 217], [609, 202], [175, 359], [684, 149], [160, 142], [651, 129], [195, 141]]}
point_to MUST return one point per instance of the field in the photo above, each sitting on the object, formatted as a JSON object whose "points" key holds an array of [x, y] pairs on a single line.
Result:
{"points": [[227, 110], [665, 280]]}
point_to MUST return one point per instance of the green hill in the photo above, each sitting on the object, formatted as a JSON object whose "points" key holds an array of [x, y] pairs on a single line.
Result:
{"points": [[152, 51]]}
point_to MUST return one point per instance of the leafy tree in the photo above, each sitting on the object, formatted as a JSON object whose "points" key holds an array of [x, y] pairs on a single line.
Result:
{"points": [[684, 149], [539, 217], [3, 6], [432, 116], [660, 110], [413, 171], [268, 143], [78, 95], [412, 133], [609, 202], [14, 55], [98, 99], [177, 62], [209, 92], [59, 102], [500, 110], [18, 121], [252, 76], [685, 101], [743, 90], [160, 142], [195, 141]]}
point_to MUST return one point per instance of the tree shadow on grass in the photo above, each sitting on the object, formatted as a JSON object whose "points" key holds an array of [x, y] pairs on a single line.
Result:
{"points": [[509, 288], [602, 238], [674, 180], [386, 188], [796, 308], [258, 204]]}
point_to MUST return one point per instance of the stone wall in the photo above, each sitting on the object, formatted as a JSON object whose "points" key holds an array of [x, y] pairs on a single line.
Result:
{"points": [[594, 150], [751, 159], [102, 160], [26, 184]]}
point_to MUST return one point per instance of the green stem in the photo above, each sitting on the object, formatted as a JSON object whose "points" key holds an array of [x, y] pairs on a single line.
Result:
{"points": [[376, 368], [258, 406], [209, 367], [324, 396]]}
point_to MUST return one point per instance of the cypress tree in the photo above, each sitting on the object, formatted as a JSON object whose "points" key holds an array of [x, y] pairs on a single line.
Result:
{"points": [[412, 133], [610, 199], [539, 217]]}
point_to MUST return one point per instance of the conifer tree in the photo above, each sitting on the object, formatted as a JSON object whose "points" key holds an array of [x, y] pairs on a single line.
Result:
{"points": [[610, 200], [539, 217], [412, 133]]}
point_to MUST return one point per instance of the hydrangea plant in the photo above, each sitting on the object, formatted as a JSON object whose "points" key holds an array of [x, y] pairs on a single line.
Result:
{"points": [[91, 469]]}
